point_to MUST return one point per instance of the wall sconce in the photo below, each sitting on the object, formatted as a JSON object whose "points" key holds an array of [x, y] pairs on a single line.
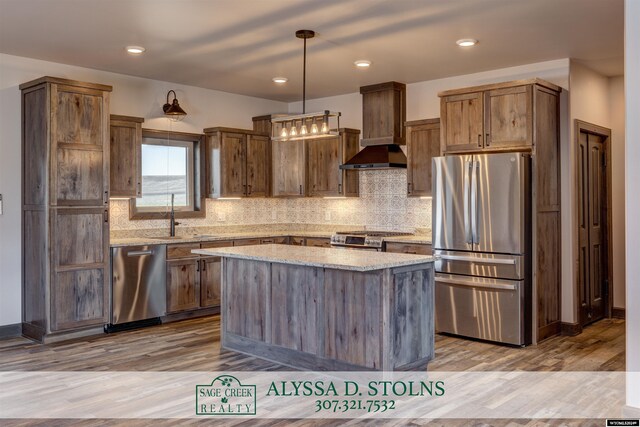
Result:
{"points": [[173, 111]]}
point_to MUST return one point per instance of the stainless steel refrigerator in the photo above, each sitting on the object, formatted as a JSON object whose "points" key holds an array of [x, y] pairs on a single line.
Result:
{"points": [[482, 246]]}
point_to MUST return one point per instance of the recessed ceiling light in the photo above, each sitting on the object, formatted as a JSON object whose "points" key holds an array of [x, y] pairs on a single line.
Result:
{"points": [[363, 63], [280, 80], [466, 42], [135, 50]]}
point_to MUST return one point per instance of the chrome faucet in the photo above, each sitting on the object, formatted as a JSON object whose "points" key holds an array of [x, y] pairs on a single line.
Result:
{"points": [[172, 219]]}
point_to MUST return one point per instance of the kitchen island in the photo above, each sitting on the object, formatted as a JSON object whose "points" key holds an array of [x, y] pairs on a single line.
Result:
{"points": [[327, 309]]}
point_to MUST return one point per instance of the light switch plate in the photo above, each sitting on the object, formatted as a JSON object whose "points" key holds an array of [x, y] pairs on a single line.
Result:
{"points": [[221, 216]]}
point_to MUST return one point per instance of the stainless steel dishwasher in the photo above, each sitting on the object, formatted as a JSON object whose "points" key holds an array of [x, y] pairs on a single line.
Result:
{"points": [[138, 286]]}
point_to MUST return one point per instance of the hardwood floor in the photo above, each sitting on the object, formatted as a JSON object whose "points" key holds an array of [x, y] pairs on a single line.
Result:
{"points": [[194, 345]]}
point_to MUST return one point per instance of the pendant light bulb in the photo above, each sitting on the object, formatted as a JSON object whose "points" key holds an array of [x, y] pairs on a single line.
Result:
{"points": [[303, 130], [293, 131], [325, 127], [284, 133], [314, 128]]}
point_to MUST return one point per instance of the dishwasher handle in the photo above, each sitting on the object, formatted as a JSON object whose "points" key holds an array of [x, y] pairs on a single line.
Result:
{"points": [[140, 253]]}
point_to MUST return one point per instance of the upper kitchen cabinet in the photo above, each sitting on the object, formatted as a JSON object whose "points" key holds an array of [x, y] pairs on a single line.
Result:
{"points": [[497, 117], [383, 113], [126, 156], [237, 163], [288, 168], [65, 213], [324, 157], [423, 144]]}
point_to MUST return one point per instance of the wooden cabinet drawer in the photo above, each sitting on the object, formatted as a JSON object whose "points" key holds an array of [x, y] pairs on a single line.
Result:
{"points": [[408, 248], [217, 244], [246, 242], [275, 240], [318, 242], [182, 250]]}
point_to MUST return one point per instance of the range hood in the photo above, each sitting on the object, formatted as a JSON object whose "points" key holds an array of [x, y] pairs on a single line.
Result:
{"points": [[383, 117], [377, 157]]}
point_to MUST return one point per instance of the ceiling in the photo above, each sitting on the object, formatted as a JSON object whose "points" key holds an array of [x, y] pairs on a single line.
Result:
{"points": [[238, 46]]}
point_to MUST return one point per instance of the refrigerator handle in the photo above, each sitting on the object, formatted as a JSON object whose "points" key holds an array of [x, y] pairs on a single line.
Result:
{"points": [[467, 225], [475, 166]]}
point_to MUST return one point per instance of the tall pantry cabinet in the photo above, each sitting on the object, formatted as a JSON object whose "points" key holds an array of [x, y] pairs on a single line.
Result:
{"points": [[65, 196]]}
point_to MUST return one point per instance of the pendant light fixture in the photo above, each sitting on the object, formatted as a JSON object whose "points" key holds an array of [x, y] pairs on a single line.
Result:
{"points": [[306, 125], [173, 111]]}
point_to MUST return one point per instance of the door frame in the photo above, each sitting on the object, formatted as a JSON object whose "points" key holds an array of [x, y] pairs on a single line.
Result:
{"points": [[579, 126]]}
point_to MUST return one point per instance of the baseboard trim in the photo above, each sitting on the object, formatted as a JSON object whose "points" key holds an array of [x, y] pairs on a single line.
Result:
{"points": [[630, 411], [618, 312], [548, 331], [570, 329], [10, 331]]}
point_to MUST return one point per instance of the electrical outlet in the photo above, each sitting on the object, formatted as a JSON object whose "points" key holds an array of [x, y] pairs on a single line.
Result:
{"points": [[327, 215], [222, 217], [274, 215]]}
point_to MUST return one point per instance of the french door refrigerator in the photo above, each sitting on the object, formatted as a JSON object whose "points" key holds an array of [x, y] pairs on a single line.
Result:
{"points": [[482, 246]]}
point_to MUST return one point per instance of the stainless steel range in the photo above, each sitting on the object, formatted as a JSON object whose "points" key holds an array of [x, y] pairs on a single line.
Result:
{"points": [[363, 239]]}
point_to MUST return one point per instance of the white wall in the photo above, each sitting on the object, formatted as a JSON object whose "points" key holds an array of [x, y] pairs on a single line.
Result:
{"points": [[589, 102], [632, 178], [616, 121], [131, 96]]}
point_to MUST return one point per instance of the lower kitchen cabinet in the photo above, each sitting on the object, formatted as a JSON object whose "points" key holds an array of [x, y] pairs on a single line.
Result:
{"points": [[210, 278], [408, 248], [318, 242], [183, 284]]}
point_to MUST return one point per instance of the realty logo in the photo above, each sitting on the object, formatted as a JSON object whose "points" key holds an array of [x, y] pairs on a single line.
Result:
{"points": [[225, 396]]}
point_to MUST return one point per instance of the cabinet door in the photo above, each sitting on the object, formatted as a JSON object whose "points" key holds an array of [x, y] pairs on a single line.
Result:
{"points": [[258, 156], [246, 242], [80, 167], [288, 171], [324, 174], [125, 146], [183, 285], [318, 242], [423, 144], [462, 122], [232, 165], [509, 118], [296, 241], [80, 276], [210, 281]]}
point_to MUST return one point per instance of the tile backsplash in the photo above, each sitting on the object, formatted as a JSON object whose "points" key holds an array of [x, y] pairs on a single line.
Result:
{"points": [[383, 204]]}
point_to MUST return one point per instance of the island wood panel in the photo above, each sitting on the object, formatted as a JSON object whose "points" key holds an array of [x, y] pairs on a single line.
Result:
{"points": [[183, 285], [509, 118], [413, 328], [296, 317], [353, 314], [246, 311]]}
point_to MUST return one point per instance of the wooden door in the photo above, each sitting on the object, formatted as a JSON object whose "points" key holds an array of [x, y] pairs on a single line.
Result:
{"points": [[232, 165], [183, 284], [125, 146], [423, 144], [258, 162], [323, 163], [462, 123], [509, 118], [288, 171], [210, 281], [80, 167], [592, 223], [80, 273]]}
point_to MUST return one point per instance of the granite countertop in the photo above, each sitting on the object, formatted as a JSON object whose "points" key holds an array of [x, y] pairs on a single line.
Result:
{"points": [[131, 241], [340, 259]]}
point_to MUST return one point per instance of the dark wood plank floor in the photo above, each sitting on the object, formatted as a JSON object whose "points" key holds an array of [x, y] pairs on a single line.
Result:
{"points": [[195, 345]]}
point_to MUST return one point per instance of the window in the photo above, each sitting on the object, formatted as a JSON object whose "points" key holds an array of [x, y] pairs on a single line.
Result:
{"points": [[170, 166]]}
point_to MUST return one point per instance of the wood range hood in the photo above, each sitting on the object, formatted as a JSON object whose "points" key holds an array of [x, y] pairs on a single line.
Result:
{"points": [[383, 132]]}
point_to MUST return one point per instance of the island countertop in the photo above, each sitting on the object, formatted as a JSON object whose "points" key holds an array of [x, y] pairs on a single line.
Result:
{"points": [[333, 258]]}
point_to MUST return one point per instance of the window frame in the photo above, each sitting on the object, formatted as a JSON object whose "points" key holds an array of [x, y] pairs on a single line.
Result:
{"points": [[195, 173]]}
